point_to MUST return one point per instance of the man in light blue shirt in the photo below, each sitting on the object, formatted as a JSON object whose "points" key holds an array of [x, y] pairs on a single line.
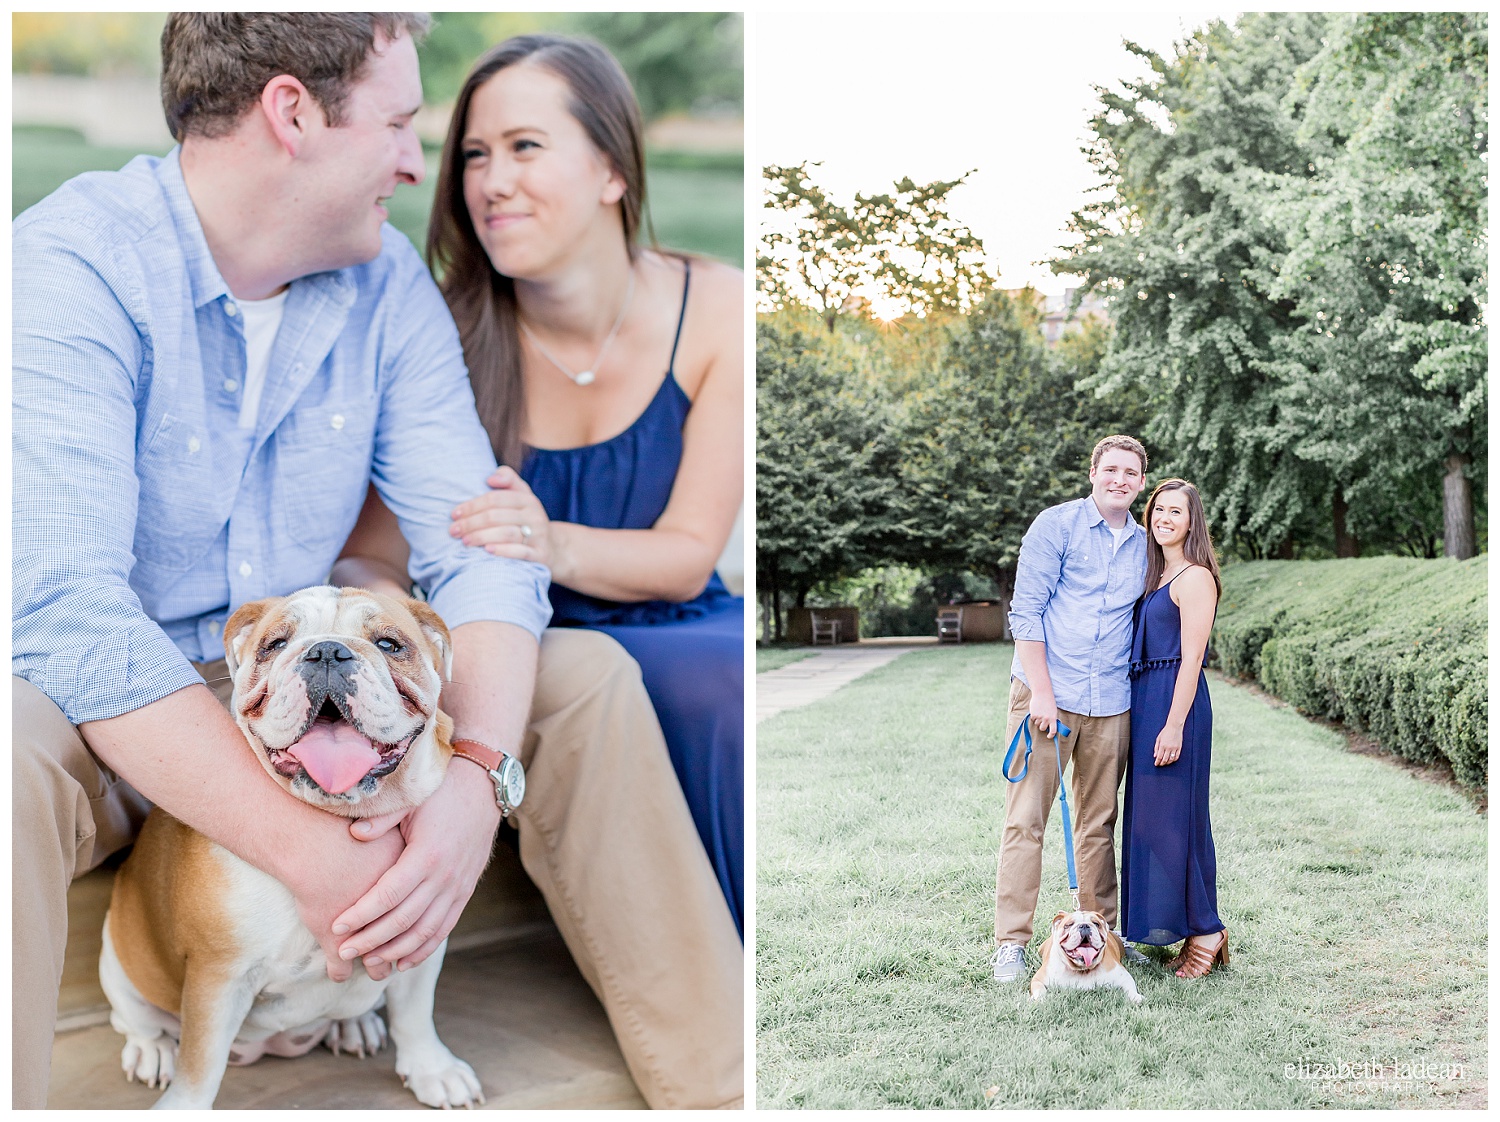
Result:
{"points": [[1082, 568], [175, 458]]}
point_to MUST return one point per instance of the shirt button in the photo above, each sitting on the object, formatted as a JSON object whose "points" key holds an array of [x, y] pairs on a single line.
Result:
{"points": [[230, 308], [230, 385], [244, 568], [213, 627], [194, 445], [338, 421]]}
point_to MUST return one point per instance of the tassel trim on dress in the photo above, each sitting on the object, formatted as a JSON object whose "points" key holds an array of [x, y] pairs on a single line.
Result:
{"points": [[1140, 666]]}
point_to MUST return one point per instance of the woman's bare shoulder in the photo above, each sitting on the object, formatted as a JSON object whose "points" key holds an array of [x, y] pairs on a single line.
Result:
{"points": [[1198, 582], [713, 282], [719, 291], [719, 281]]}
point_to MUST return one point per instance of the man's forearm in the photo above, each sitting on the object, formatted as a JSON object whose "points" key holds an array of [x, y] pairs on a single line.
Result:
{"points": [[494, 674], [187, 756], [1033, 656]]}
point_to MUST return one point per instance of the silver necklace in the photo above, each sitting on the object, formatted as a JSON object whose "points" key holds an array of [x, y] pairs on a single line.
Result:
{"points": [[584, 377]]}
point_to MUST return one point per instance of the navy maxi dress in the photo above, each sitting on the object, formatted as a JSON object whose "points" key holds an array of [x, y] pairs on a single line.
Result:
{"points": [[1167, 867], [691, 654]]}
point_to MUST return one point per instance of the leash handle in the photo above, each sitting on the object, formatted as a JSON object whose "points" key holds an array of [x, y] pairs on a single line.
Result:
{"points": [[1015, 742]]}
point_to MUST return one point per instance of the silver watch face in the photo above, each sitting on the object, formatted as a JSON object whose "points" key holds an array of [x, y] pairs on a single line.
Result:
{"points": [[510, 781]]}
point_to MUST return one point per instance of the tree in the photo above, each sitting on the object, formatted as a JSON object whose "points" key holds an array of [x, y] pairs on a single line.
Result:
{"points": [[1181, 238], [1387, 263], [1293, 224], [1002, 433], [826, 502], [903, 248]]}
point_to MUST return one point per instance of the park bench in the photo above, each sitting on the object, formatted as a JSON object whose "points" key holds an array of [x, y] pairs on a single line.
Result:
{"points": [[510, 1002], [824, 628]]}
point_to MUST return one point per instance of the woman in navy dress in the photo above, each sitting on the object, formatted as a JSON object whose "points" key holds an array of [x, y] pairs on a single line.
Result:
{"points": [[611, 380], [1167, 874]]}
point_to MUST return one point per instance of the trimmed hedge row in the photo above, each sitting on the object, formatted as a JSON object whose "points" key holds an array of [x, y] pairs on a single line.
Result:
{"points": [[1391, 646]]}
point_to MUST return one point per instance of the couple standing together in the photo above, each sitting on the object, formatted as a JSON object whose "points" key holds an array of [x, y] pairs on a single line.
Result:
{"points": [[233, 380], [1111, 623]]}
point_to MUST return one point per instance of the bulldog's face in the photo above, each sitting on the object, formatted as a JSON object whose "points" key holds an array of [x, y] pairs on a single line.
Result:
{"points": [[1082, 937], [337, 690]]}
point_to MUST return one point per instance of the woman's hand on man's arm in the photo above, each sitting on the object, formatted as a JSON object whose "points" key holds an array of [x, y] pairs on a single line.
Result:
{"points": [[509, 520]]}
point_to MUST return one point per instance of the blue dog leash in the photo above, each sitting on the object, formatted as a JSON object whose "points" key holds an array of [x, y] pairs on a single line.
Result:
{"points": [[1061, 730]]}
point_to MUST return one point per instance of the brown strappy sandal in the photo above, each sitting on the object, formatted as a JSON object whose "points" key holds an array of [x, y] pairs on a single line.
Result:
{"points": [[1198, 960]]}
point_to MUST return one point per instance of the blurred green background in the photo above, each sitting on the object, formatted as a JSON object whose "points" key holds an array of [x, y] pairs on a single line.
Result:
{"points": [[687, 69]]}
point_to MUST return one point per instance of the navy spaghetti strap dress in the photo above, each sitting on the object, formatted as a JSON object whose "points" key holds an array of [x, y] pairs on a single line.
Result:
{"points": [[1167, 868], [691, 654]]}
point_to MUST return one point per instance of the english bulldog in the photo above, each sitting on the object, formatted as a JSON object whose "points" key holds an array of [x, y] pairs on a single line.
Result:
{"points": [[1082, 954], [205, 960]]}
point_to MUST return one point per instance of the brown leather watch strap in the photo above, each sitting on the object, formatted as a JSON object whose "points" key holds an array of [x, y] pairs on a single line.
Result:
{"points": [[477, 753]]}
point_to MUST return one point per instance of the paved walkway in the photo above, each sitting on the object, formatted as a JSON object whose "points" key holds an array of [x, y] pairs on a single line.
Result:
{"points": [[815, 677]]}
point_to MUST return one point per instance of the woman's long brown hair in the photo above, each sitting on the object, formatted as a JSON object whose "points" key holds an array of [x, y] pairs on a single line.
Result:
{"points": [[1199, 547], [482, 301]]}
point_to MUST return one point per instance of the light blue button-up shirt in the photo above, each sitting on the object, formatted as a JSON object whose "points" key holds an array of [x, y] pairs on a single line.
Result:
{"points": [[1077, 594], [142, 513]]}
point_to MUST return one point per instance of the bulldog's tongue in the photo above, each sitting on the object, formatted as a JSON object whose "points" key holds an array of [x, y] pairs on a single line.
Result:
{"points": [[1087, 953], [335, 754]]}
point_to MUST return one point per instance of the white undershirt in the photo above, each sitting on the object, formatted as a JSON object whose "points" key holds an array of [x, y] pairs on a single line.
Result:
{"points": [[1120, 535], [262, 321]]}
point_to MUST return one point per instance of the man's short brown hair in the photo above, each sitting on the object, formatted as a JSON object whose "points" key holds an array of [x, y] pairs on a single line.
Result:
{"points": [[1109, 443], [214, 65]]}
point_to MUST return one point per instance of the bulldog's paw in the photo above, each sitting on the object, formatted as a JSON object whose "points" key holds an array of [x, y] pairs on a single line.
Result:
{"points": [[149, 1061], [439, 1078], [1136, 998], [358, 1036]]}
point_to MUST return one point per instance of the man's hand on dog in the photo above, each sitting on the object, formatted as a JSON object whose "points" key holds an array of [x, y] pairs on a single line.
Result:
{"points": [[320, 882], [415, 904]]}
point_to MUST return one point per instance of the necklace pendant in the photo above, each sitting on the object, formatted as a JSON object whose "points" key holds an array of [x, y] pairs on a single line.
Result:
{"points": [[583, 378]]}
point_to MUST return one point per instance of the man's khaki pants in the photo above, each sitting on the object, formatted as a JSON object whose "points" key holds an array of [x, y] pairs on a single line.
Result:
{"points": [[605, 834], [1098, 747]]}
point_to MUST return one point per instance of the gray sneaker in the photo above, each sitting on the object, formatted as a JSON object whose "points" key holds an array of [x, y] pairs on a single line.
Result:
{"points": [[1009, 962], [1133, 956]]}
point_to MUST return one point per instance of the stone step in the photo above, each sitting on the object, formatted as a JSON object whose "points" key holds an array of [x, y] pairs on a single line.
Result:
{"points": [[510, 1002]]}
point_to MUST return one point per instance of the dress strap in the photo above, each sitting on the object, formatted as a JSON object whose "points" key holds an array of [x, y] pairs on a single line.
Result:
{"points": [[687, 275], [1178, 573]]}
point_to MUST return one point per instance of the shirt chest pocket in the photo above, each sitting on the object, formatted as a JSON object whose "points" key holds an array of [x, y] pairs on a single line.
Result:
{"points": [[178, 510], [1086, 564], [322, 469]]}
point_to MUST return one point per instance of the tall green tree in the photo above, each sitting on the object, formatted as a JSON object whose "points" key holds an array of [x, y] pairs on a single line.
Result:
{"points": [[1183, 239], [903, 246], [1004, 431], [1294, 234], [826, 497], [1387, 266]]}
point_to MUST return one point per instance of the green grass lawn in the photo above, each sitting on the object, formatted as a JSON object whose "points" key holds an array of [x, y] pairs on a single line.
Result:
{"points": [[774, 658], [696, 205], [1354, 896]]}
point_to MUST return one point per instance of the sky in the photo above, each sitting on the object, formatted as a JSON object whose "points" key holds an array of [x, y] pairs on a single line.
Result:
{"points": [[1009, 95]]}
